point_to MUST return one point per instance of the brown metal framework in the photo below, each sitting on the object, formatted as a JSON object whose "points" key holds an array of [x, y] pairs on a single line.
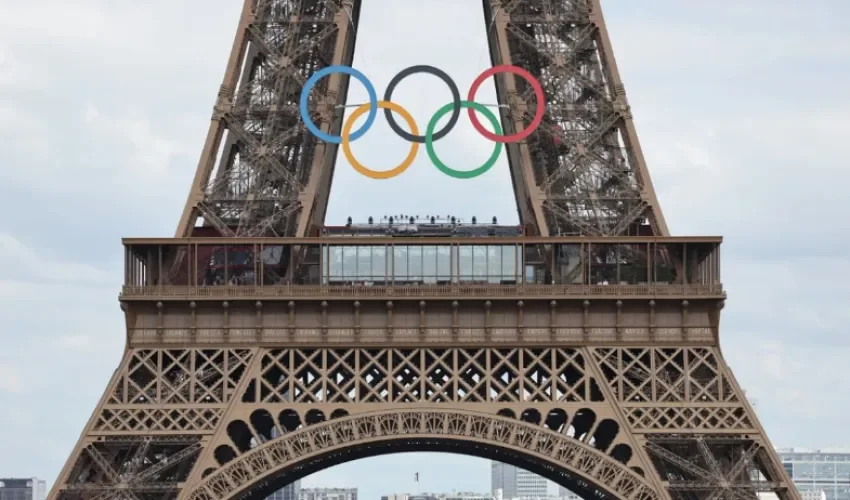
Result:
{"points": [[587, 351]]}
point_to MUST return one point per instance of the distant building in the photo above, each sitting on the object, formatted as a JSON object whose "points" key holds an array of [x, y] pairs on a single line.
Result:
{"points": [[291, 491], [328, 494], [565, 494], [395, 496], [813, 495], [819, 474], [406, 496], [439, 496], [497, 494], [517, 483], [466, 496], [29, 488], [805, 495]]}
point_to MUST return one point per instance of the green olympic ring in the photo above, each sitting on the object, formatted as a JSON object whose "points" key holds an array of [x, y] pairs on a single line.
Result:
{"points": [[429, 142]]}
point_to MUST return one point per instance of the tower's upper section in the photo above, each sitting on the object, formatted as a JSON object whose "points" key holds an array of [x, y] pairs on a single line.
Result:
{"points": [[264, 172], [590, 261]]}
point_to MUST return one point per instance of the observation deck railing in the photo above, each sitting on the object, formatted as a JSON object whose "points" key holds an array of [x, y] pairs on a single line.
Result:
{"points": [[423, 291], [375, 267]]}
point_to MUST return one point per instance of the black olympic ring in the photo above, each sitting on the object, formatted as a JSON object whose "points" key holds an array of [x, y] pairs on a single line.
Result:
{"points": [[431, 70]]}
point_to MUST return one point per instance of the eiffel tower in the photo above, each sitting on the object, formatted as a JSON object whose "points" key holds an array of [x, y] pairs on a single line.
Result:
{"points": [[263, 346]]}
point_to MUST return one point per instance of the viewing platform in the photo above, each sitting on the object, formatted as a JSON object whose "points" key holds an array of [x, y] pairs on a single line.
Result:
{"points": [[405, 268]]}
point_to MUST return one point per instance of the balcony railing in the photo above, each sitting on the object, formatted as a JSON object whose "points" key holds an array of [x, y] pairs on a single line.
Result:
{"points": [[421, 267], [365, 291]]}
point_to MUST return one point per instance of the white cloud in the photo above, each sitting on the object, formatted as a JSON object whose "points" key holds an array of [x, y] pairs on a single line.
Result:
{"points": [[126, 158], [10, 379], [725, 38], [24, 135], [151, 151], [15, 72], [56, 19], [122, 36], [35, 264], [795, 380], [80, 343], [700, 50], [771, 360]]}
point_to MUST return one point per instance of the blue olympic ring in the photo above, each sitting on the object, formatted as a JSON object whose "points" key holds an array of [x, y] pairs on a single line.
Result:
{"points": [[313, 80]]}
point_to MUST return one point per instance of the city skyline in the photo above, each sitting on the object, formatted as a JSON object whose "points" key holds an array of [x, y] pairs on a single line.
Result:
{"points": [[818, 473], [116, 125]]}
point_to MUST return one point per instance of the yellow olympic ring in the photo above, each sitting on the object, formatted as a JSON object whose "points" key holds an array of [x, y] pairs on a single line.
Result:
{"points": [[374, 174]]}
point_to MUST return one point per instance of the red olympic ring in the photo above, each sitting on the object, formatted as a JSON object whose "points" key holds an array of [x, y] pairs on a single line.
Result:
{"points": [[538, 91]]}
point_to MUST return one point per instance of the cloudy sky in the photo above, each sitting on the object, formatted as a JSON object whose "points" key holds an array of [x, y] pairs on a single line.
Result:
{"points": [[741, 106]]}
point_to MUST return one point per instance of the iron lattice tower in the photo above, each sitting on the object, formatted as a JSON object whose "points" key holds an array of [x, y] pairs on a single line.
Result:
{"points": [[260, 351]]}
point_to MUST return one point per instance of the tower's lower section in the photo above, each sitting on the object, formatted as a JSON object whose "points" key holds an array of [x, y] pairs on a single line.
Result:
{"points": [[637, 423]]}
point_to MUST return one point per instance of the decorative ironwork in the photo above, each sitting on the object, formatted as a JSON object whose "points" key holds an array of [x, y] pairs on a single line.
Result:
{"points": [[423, 376], [567, 456]]}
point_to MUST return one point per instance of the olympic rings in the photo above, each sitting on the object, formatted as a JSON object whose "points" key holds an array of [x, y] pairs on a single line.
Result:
{"points": [[430, 136], [313, 80], [456, 106], [538, 91], [346, 140], [462, 174]]}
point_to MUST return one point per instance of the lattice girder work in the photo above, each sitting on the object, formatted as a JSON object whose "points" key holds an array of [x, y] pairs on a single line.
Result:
{"points": [[717, 467], [599, 415], [131, 467], [261, 172], [582, 171], [436, 375]]}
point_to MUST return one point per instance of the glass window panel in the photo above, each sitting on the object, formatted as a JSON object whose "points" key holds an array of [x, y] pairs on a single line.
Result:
{"points": [[429, 264], [465, 261], [349, 262], [444, 263], [824, 470], [789, 468], [568, 258], [241, 256], [218, 256], [326, 261], [364, 263], [335, 262], [509, 253], [479, 262], [379, 262], [400, 263], [494, 264], [803, 469], [414, 262]]}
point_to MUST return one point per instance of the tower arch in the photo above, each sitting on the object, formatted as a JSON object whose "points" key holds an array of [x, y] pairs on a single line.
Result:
{"points": [[557, 456]]}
